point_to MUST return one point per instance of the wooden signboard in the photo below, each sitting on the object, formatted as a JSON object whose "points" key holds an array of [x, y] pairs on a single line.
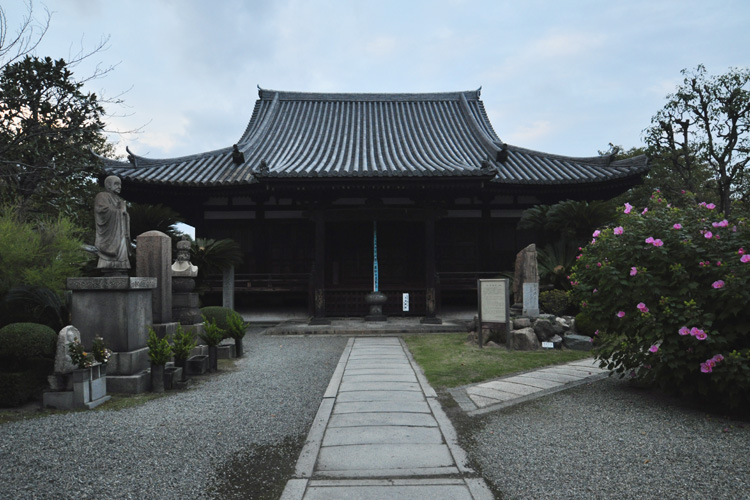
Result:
{"points": [[494, 307]]}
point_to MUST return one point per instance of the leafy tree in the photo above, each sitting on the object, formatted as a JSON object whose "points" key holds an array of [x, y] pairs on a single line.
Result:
{"points": [[702, 135], [48, 128], [157, 217], [35, 260]]}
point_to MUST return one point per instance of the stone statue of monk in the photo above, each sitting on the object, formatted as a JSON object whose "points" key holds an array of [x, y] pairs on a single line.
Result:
{"points": [[112, 229]]}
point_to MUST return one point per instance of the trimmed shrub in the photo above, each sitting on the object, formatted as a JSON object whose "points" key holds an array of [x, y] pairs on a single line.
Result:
{"points": [[27, 356], [554, 302], [668, 290], [20, 342], [220, 315], [585, 325]]}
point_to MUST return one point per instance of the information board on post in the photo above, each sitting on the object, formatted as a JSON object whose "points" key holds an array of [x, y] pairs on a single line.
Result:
{"points": [[494, 307]]}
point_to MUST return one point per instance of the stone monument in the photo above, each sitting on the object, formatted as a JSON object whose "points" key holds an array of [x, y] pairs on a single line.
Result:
{"points": [[112, 229], [526, 282], [115, 307], [73, 387], [185, 303], [154, 260]]}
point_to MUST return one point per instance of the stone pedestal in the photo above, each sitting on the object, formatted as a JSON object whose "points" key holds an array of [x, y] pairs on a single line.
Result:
{"points": [[186, 308], [118, 309], [89, 390], [376, 300]]}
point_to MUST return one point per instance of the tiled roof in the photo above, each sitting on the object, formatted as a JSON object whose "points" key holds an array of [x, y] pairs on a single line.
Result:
{"points": [[311, 135]]}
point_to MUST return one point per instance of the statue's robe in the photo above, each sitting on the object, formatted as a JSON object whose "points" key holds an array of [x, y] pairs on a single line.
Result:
{"points": [[112, 231]]}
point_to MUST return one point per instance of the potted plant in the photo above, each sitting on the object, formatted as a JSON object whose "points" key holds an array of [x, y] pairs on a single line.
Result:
{"points": [[101, 353], [159, 352], [212, 336], [183, 343], [237, 329], [89, 380]]}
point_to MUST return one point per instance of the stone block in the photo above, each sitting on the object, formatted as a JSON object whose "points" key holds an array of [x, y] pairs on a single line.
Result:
{"points": [[118, 309], [519, 323], [197, 365], [164, 329], [577, 342], [61, 400], [226, 351], [525, 339], [154, 259], [128, 362], [531, 299], [185, 300], [545, 329], [130, 384]]}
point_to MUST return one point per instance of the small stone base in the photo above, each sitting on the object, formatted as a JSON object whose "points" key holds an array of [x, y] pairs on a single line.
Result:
{"points": [[319, 321], [376, 317], [64, 400], [226, 351], [130, 384], [431, 321], [197, 365]]}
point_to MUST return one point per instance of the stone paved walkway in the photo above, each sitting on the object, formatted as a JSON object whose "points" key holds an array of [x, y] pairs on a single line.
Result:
{"points": [[496, 394], [381, 433]]}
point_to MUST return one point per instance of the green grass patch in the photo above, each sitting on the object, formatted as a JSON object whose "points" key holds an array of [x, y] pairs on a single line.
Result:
{"points": [[451, 361]]}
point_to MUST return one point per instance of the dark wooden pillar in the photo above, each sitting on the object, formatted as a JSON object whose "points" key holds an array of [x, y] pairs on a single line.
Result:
{"points": [[431, 291], [485, 238], [318, 273]]}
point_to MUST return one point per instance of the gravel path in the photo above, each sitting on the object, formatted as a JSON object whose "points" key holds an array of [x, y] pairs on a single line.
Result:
{"points": [[610, 440], [237, 434]]}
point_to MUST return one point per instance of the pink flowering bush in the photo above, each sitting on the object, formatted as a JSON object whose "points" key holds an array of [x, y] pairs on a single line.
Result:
{"points": [[671, 299]]}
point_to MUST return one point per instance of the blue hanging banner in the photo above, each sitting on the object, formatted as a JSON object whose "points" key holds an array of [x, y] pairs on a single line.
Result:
{"points": [[375, 256]]}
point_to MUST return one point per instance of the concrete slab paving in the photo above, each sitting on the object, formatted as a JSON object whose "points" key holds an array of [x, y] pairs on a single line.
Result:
{"points": [[379, 386], [381, 419], [509, 385], [386, 377], [534, 382], [396, 396], [383, 434], [381, 406], [361, 419]]}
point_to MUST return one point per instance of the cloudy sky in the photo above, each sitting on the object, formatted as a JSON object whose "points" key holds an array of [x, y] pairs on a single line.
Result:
{"points": [[564, 77]]}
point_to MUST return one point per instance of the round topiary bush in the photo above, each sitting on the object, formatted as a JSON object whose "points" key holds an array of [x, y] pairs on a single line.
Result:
{"points": [[554, 302], [221, 316], [20, 342], [27, 353]]}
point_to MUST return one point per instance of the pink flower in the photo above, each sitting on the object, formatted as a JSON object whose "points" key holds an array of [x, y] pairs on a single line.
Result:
{"points": [[710, 206], [718, 358], [658, 243], [596, 291], [653, 348], [598, 264], [642, 307], [708, 235], [745, 259], [650, 240], [694, 331], [718, 284], [701, 335], [619, 230], [677, 226], [596, 332], [741, 251], [620, 314], [628, 208], [705, 368], [596, 233], [683, 331], [633, 271], [644, 211]]}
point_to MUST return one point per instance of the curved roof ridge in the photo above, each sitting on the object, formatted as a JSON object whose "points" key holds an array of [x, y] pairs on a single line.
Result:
{"points": [[600, 160], [268, 94], [143, 162]]}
